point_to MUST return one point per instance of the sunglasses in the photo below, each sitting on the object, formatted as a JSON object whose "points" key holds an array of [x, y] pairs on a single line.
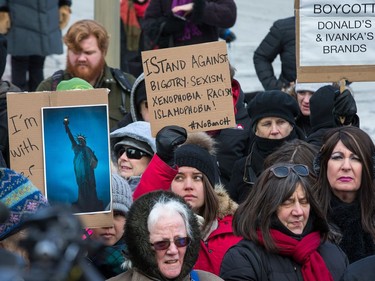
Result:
{"points": [[131, 153], [285, 170], [164, 244]]}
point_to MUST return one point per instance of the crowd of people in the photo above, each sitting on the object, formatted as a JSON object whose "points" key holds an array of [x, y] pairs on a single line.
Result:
{"points": [[288, 193]]}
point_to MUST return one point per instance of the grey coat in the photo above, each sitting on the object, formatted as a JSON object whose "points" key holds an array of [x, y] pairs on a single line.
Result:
{"points": [[34, 27]]}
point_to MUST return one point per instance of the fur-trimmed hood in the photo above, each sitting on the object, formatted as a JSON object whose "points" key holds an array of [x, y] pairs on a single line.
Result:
{"points": [[137, 237], [226, 205]]}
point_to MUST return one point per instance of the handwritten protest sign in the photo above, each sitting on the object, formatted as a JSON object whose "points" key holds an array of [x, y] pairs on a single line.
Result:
{"points": [[335, 40], [189, 86], [26, 142]]}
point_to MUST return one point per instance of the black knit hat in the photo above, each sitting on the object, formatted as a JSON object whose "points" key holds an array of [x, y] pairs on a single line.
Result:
{"points": [[321, 107], [195, 156], [273, 103], [140, 94]]}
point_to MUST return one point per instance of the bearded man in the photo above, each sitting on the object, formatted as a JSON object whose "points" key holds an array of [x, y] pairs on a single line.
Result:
{"points": [[87, 42]]}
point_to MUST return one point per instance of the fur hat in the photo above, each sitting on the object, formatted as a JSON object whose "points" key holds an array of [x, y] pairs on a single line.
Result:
{"points": [[198, 151], [137, 135], [121, 194], [273, 103], [74, 84], [22, 199]]}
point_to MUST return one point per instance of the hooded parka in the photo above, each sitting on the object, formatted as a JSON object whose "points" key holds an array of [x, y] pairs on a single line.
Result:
{"points": [[140, 252]]}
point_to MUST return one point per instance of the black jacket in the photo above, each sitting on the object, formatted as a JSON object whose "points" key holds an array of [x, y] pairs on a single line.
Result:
{"points": [[248, 261], [159, 25], [280, 40], [362, 270]]}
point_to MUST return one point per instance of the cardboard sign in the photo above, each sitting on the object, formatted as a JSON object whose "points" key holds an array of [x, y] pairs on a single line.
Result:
{"points": [[189, 86], [335, 40], [27, 139]]}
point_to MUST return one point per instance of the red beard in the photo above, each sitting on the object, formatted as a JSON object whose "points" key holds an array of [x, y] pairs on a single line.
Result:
{"points": [[86, 71]]}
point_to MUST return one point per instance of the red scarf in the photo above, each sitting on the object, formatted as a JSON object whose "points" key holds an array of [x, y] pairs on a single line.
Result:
{"points": [[303, 252]]}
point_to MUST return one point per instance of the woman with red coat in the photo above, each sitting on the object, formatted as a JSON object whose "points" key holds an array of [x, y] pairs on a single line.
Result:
{"points": [[191, 172]]}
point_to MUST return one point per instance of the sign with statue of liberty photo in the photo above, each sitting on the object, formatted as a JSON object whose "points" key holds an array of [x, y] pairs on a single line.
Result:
{"points": [[76, 157], [47, 133]]}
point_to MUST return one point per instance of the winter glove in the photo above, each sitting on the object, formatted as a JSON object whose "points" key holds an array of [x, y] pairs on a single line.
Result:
{"points": [[173, 25], [345, 108], [4, 22], [64, 12], [167, 140]]}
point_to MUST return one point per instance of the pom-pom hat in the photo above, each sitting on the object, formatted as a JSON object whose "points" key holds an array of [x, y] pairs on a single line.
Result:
{"points": [[198, 152]]}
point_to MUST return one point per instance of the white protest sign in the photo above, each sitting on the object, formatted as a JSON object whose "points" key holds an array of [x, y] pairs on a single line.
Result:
{"points": [[337, 33]]}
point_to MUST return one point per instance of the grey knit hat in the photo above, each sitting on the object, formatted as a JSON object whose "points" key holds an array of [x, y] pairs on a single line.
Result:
{"points": [[137, 135], [121, 194]]}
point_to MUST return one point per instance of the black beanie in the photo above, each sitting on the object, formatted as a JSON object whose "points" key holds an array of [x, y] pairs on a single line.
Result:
{"points": [[140, 94], [321, 107], [273, 103], [191, 155], [3, 54]]}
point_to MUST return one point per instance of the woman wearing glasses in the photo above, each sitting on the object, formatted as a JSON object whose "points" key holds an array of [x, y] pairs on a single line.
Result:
{"points": [[285, 232], [132, 147], [272, 115], [163, 236], [345, 188], [191, 171]]}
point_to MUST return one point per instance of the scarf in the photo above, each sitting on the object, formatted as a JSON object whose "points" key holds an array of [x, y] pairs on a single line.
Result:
{"points": [[109, 259], [303, 252], [355, 242], [131, 24], [264, 147], [190, 30]]}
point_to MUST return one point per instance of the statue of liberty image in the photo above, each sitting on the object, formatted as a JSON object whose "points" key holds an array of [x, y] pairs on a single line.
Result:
{"points": [[84, 163]]}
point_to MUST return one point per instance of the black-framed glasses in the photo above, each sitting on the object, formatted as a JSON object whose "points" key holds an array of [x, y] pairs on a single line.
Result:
{"points": [[284, 170], [131, 152], [164, 244]]}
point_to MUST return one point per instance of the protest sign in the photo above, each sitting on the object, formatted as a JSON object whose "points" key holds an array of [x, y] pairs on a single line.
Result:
{"points": [[189, 86], [37, 132], [335, 40]]}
